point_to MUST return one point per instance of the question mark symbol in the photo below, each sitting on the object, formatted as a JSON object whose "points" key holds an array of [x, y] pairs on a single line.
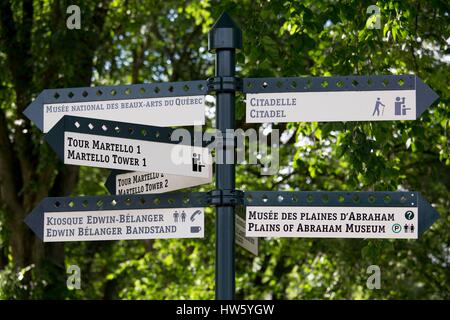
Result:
{"points": [[409, 215]]}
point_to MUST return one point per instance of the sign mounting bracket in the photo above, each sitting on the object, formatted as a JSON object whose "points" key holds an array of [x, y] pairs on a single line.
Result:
{"points": [[224, 84], [226, 197]]}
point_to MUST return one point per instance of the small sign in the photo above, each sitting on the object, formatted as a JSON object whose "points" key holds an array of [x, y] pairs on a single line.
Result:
{"points": [[249, 244], [333, 222], [163, 223]]}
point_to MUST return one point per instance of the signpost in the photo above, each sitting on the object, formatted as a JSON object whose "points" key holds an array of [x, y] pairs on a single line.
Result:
{"points": [[82, 127], [124, 146], [63, 219], [381, 215], [161, 104], [352, 98], [223, 39], [120, 182]]}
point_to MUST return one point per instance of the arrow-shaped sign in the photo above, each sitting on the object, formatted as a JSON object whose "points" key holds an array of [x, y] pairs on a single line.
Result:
{"points": [[175, 215], [161, 104], [351, 98], [120, 182], [125, 146], [393, 215]]}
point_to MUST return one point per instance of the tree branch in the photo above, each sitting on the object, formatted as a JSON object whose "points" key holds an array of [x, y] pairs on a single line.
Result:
{"points": [[65, 181], [8, 181], [67, 177], [8, 170]]}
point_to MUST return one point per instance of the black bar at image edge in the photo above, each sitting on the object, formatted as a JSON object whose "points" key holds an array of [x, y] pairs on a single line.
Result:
{"points": [[193, 309]]}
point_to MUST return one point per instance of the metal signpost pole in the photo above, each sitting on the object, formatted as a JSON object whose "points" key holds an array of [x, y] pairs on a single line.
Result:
{"points": [[224, 38]]}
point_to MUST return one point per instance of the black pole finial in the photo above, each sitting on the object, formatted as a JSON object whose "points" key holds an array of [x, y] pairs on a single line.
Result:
{"points": [[224, 34]]}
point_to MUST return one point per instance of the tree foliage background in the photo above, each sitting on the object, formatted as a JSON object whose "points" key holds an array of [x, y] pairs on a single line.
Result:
{"points": [[123, 41]]}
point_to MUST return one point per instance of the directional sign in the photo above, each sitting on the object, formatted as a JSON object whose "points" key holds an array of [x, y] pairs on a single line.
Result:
{"points": [[124, 146], [249, 244], [149, 182], [63, 219], [352, 98], [162, 104], [384, 215]]}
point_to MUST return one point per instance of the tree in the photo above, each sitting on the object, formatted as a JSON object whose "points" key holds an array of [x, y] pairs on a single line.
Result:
{"points": [[38, 52]]}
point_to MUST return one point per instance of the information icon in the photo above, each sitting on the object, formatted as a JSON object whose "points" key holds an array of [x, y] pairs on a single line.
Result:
{"points": [[409, 215], [396, 228]]}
